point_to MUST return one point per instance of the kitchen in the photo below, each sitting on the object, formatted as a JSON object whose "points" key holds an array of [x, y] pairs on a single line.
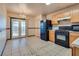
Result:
{"points": [[58, 28], [66, 25]]}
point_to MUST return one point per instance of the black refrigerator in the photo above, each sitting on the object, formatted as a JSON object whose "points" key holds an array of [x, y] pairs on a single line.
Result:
{"points": [[45, 26]]}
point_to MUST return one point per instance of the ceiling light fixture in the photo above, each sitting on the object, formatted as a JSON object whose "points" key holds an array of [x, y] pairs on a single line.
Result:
{"points": [[48, 3]]}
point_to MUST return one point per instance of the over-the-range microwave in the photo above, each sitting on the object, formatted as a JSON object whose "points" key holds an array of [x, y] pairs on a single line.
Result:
{"points": [[75, 27]]}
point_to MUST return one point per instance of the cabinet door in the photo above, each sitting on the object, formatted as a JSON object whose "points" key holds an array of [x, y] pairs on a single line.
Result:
{"points": [[60, 15], [75, 18], [67, 13], [72, 37], [75, 51], [54, 20], [52, 36], [75, 15]]}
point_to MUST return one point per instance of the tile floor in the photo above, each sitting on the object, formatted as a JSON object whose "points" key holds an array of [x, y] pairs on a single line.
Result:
{"points": [[33, 46]]}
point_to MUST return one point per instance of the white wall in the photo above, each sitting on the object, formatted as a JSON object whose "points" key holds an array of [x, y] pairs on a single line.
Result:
{"points": [[31, 26], [37, 19], [34, 25], [37, 25], [2, 27]]}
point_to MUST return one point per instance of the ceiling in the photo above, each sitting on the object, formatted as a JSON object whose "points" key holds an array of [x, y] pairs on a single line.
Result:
{"points": [[35, 8]]}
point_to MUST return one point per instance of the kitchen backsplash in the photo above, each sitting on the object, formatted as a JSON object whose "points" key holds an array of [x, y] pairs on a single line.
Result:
{"points": [[55, 27]]}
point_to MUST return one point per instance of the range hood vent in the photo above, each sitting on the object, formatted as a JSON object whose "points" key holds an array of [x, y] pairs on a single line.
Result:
{"points": [[64, 18]]}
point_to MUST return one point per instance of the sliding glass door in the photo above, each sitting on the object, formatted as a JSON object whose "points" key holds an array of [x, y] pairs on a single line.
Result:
{"points": [[18, 28]]}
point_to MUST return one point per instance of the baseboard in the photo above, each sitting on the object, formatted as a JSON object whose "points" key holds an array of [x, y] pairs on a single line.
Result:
{"points": [[8, 39]]}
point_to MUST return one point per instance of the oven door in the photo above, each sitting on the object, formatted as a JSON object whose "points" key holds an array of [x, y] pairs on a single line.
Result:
{"points": [[62, 38]]}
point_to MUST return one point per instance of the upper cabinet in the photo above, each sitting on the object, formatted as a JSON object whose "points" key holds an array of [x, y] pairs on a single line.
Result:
{"points": [[54, 20], [71, 12], [75, 15], [67, 12], [60, 15]]}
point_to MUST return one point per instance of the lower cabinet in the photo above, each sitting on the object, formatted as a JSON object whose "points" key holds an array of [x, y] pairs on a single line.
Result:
{"points": [[51, 35], [75, 51], [72, 37]]}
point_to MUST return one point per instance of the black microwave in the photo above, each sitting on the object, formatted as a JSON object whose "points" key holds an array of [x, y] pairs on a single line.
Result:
{"points": [[75, 27]]}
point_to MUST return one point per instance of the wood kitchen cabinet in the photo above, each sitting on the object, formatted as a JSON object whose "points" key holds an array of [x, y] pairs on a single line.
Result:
{"points": [[54, 20], [56, 17], [51, 35], [75, 47], [67, 12], [75, 15], [75, 18], [60, 15], [75, 51], [72, 37]]}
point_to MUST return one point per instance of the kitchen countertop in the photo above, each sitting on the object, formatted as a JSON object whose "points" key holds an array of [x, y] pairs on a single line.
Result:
{"points": [[75, 43], [51, 30], [74, 31], [67, 30]]}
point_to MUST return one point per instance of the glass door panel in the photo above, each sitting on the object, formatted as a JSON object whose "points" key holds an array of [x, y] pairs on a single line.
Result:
{"points": [[15, 28], [23, 27]]}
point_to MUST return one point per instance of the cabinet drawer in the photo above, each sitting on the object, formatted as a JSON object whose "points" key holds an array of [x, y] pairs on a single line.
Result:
{"points": [[52, 36]]}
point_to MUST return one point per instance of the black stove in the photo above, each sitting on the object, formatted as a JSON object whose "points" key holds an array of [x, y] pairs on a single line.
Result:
{"points": [[62, 36]]}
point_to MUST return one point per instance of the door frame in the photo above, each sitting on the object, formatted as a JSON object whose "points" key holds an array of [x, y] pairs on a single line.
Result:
{"points": [[11, 25]]}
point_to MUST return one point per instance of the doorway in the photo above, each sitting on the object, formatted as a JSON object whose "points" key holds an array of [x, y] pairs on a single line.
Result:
{"points": [[18, 28]]}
